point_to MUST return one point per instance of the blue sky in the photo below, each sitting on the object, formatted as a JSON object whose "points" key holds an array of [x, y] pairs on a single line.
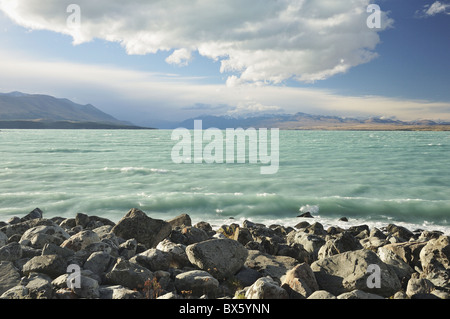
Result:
{"points": [[150, 61]]}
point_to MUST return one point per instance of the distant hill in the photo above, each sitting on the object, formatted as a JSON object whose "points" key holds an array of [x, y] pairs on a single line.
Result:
{"points": [[303, 121], [21, 110]]}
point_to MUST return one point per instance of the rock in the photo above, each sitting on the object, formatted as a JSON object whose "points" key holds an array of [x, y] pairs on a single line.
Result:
{"points": [[435, 259], [153, 259], [162, 282], [358, 294], [342, 243], [34, 214], [221, 257], [373, 243], [321, 294], [22, 227], [16, 292], [301, 281], [400, 232], [409, 252], [11, 252], [89, 288], [39, 286], [315, 229], [98, 262], [266, 288], [348, 271], [128, 248], [81, 240], [196, 283], [295, 251], [169, 296], [179, 258], [51, 265], [81, 220], [247, 276], [118, 292], [147, 231], [311, 243], [305, 215], [302, 225], [9, 276], [193, 235], [435, 255], [68, 223], [104, 232], [401, 268], [128, 274], [357, 230], [180, 221], [267, 265], [243, 235], [419, 286], [38, 236], [3, 239], [52, 249], [343, 219], [400, 295]]}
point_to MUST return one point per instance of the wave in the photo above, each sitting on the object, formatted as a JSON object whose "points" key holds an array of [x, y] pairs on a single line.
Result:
{"points": [[138, 170], [72, 150]]}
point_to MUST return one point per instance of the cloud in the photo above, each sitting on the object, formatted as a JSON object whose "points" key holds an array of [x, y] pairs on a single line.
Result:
{"points": [[434, 9], [180, 57], [258, 41], [140, 96]]}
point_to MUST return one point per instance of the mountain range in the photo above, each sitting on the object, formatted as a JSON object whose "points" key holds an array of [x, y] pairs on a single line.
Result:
{"points": [[21, 110], [36, 111], [303, 121]]}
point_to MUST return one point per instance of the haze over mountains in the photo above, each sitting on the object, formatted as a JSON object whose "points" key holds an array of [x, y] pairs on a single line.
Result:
{"points": [[35, 111]]}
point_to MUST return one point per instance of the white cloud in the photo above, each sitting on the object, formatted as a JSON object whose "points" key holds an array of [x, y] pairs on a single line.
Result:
{"points": [[181, 57], [139, 96], [436, 8], [258, 41]]}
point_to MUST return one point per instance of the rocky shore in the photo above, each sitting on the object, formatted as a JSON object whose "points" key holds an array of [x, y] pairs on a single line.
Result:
{"points": [[89, 257]]}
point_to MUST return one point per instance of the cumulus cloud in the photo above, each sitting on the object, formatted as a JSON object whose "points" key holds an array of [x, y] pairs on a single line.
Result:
{"points": [[258, 41]]}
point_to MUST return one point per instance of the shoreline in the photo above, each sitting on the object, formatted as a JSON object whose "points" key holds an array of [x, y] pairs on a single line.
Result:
{"points": [[140, 257]]}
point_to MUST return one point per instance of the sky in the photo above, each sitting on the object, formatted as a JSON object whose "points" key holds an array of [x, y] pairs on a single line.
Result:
{"points": [[150, 61]]}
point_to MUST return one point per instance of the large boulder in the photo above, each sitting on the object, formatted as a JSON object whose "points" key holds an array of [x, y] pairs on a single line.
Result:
{"points": [[300, 281], [38, 236], [435, 259], [179, 258], [349, 271], [221, 257], [268, 265], [435, 255], [10, 276], [409, 252], [81, 240], [147, 231], [180, 221], [51, 265]]}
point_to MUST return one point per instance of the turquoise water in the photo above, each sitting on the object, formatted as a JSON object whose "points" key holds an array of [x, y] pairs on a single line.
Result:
{"points": [[369, 177]]}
